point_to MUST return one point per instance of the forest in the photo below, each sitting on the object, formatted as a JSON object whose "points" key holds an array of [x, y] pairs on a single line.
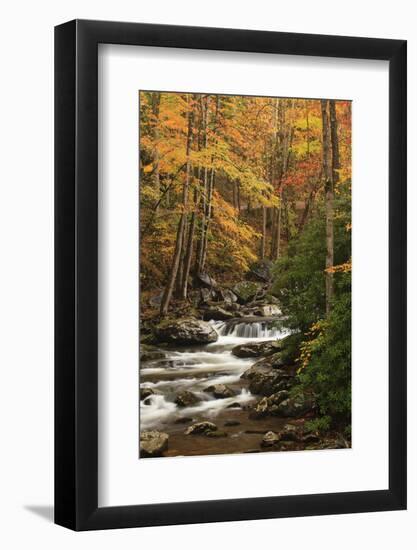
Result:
{"points": [[245, 273]]}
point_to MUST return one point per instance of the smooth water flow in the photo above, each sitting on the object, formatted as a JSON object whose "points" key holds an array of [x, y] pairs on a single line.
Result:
{"points": [[255, 330], [195, 369]]}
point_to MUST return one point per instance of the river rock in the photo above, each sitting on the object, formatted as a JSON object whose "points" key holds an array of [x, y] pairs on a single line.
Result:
{"points": [[234, 405], [270, 439], [153, 443], [186, 331], [247, 291], [269, 310], [203, 279], [220, 391], [217, 313], [272, 361], [290, 433], [257, 349], [201, 428], [264, 380], [225, 295], [207, 295], [145, 393], [310, 438], [268, 405], [296, 406], [260, 271], [260, 409], [186, 399]]}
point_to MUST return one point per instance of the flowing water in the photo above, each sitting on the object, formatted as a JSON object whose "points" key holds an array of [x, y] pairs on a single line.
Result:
{"points": [[196, 368]]}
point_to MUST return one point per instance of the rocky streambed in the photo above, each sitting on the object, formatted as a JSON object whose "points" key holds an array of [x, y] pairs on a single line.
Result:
{"points": [[218, 376], [229, 395]]}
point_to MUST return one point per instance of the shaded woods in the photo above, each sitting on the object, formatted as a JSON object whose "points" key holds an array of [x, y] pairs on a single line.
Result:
{"points": [[239, 188]]}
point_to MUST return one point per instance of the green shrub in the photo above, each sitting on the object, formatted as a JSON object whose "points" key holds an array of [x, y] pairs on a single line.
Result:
{"points": [[318, 425], [323, 345], [327, 367]]}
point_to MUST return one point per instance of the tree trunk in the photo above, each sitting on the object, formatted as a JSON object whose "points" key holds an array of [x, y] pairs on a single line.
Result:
{"points": [[155, 103], [335, 142], [190, 242], [285, 134], [278, 227], [200, 244], [166, 298], [210, 193], [329, 198], [263, 243], [274, 216], [207, 200], [188, 255], [309, 204]]}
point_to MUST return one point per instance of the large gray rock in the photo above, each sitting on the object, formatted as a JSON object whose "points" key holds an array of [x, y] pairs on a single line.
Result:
{"points": [[226, 295], [217, 313], [268, 405], [201, 428], [294, 407], [153, 443], [266, 380], [267, 310], [186, 331], [247, 291], [257, 349], [203, 279], [260, 271], [272, 361], [207, 295], [220, 391], [186, 399]]}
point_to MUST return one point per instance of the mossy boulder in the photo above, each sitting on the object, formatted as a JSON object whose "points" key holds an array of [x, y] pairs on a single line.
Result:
{"points": [[247, 291]]}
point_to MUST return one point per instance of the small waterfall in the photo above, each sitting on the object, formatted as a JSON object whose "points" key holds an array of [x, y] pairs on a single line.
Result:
{"points": [[254, 329]]}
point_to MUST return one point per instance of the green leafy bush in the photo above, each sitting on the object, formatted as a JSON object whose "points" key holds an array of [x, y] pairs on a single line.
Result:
{"points": [[328, 363], [324, 344], [318, 425]]}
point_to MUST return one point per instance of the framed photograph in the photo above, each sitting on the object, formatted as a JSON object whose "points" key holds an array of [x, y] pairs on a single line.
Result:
{"points": [[230, 247]]}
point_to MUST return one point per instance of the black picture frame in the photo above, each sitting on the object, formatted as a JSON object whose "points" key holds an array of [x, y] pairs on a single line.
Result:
{"points": [[76, 272]]}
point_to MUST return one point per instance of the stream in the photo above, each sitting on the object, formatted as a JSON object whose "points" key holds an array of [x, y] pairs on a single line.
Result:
{"points": [[196, 368]]}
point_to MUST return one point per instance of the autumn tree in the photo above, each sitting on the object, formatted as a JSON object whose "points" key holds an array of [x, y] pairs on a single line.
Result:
{"points": [[183, 217], [229, 180]]}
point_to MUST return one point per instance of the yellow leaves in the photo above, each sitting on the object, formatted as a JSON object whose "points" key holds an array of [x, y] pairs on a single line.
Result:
{"points": [[240, 145], [341, 268], [314, 339]]}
